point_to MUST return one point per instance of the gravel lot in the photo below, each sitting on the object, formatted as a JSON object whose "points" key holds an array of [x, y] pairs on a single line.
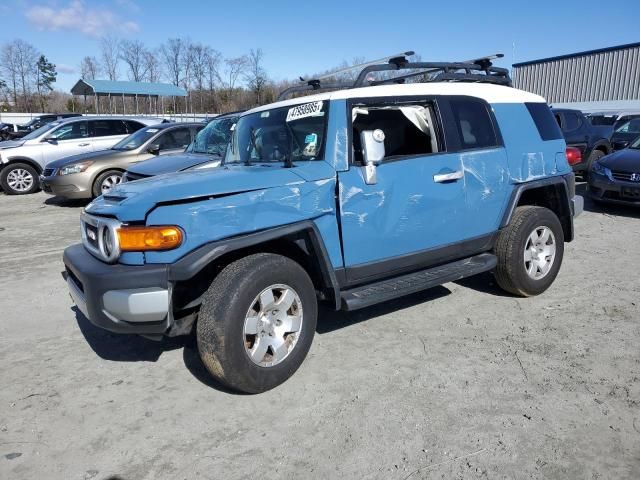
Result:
{"points": [[461, 381]]}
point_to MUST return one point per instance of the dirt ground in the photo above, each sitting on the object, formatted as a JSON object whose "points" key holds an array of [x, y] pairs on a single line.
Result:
{"points": [[461, 381]]}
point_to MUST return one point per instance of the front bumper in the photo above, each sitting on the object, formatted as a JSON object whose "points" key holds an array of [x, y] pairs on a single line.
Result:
{"points": [[119, 298], [577, 205], [602, 189], [59, 185]]}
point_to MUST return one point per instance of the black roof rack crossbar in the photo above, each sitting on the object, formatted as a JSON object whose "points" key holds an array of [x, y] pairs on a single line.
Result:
{"points": [[479, 70]]}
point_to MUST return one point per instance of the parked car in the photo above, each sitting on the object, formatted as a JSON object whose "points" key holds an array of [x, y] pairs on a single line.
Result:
{"points": [[592, 141], [616, 177], [23, 160], [89, 175], [208, 147], [349, 197], [9, 131], [625, 133]]}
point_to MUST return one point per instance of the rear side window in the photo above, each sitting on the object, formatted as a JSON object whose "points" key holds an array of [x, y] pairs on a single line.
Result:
{"points": [[107, 128], [474, 124], [571, 122], [545, 122], [133, 126]]}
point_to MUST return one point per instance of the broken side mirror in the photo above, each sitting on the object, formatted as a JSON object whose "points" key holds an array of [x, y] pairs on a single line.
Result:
{"points": [[373, 152]]}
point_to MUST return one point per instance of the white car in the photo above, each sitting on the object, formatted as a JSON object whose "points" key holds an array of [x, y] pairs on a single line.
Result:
{"points": [[23, 160]]}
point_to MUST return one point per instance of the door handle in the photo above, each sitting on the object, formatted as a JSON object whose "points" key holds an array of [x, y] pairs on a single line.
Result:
{"points": [[448, 177], [84, 144]]}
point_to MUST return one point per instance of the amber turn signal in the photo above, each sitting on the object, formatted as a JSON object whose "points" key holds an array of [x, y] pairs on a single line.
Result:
{"points": [[140, 239]]}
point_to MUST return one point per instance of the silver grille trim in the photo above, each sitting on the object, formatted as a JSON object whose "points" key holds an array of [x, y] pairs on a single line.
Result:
{"points": [[102, 228]]}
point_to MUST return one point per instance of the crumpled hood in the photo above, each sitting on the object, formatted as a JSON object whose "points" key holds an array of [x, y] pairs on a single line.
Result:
{"points": [[131, 201], [11, 144], [626, 160], [169, 163], [81, 157]]}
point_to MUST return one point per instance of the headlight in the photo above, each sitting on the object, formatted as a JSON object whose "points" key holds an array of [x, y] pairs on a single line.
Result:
{"points": [[600, 169], [74, 168], [141, 239]]}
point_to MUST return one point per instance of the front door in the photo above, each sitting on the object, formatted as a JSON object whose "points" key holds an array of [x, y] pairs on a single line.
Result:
{"points": [[418, 202], [66, 140]]}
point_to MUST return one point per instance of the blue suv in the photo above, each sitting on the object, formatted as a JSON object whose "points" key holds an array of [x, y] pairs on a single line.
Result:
{"points": [[350, 197]]}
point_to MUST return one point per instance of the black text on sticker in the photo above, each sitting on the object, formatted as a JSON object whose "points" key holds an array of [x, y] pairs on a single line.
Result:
{"points": [[306, 110]]}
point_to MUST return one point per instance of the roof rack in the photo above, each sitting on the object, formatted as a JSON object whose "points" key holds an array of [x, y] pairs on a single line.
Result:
{"points": [[479, 70]]}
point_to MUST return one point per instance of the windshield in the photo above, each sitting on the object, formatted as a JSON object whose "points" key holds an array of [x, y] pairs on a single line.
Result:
{"points": [[606, 120], [632, 126], [45, 128], [136, 139], [214, 138], [284, 134]]}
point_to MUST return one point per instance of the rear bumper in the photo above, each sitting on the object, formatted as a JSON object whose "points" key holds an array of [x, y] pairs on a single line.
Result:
{"points": [[617, 192], [119, 298]]}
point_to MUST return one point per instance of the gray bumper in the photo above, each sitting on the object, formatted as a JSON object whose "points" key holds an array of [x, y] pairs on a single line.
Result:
{"points": [[577, 205]]}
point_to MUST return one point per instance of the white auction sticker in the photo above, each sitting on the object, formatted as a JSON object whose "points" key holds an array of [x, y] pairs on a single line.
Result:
{"points": [[313, 109]]}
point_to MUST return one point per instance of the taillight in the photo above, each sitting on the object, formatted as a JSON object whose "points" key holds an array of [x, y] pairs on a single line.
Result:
{"points": [[574, 155]]}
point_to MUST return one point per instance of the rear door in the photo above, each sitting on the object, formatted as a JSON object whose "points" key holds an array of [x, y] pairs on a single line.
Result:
{"points": [[106, 133]]}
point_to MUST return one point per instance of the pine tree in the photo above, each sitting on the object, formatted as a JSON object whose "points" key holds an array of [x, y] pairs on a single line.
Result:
{"points": [[46, 77]]}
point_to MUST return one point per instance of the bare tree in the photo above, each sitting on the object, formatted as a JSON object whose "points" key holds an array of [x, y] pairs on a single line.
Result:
{"points": [[172, 53], [214, 59], [235, 68], [256, 75], [19, 62], [9, 63], [110, 47], [132, 52], [89, 68], [152, 65]]}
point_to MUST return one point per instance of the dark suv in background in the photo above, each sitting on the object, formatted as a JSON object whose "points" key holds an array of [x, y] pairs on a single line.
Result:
{"points": [[9, 131], [591, 140]]}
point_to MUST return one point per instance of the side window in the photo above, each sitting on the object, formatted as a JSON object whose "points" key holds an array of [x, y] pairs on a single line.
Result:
{"points": [[133, 126], [106, 128], [175, 138], [408, 129], [571, 122], [70, 131], [473, 121], [545, 123]]}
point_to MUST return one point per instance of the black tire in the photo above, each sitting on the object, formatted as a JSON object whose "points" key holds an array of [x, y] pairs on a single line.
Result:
{"points": [[220, 330], [593, 157], [24, 169], [96, 190], [511, 273]]}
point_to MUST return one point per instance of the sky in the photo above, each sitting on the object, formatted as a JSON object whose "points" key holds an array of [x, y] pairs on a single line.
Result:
{"points": [[300, 37]]}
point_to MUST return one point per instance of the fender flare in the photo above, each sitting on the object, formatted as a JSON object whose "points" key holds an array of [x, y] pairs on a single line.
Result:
{"points": [[519, 189], [194, 262]]}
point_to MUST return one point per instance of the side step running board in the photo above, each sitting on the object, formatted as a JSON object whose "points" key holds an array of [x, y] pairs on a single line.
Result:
{"points": [[378, 292]]}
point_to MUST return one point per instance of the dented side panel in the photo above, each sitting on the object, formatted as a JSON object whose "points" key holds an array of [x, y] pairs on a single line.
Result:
{"points": [[209, 220], [529, 158], [406, 211]]}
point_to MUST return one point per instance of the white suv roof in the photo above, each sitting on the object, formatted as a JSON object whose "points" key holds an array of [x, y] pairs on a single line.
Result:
{"points": [[489, 92]]}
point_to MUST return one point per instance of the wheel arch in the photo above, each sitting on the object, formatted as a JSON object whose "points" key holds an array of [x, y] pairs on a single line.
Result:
{"points": [[552, 193], [604, 146], [302, 242], [96, 175], [27, 160]]}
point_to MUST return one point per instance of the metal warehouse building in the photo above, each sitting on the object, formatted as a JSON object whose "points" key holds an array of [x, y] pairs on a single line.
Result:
{"points": [[604, 79]]}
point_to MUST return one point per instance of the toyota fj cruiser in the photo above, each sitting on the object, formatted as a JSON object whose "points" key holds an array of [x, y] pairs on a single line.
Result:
{"points": [[350, 197]]}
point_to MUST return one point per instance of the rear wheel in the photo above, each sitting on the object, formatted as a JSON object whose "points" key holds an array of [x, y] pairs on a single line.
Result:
{"points": [[19, 179], [594, 157], [106, 181], [529, 251], [257, 322]]}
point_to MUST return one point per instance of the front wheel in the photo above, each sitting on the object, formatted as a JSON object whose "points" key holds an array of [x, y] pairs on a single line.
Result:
{"points": [[106, 181], [19, 179], [257, 322], [529, 251]]}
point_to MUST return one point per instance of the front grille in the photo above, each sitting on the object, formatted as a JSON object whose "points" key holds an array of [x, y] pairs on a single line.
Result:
{"points": [[131, 177], [48, 172], [625, 176]]}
